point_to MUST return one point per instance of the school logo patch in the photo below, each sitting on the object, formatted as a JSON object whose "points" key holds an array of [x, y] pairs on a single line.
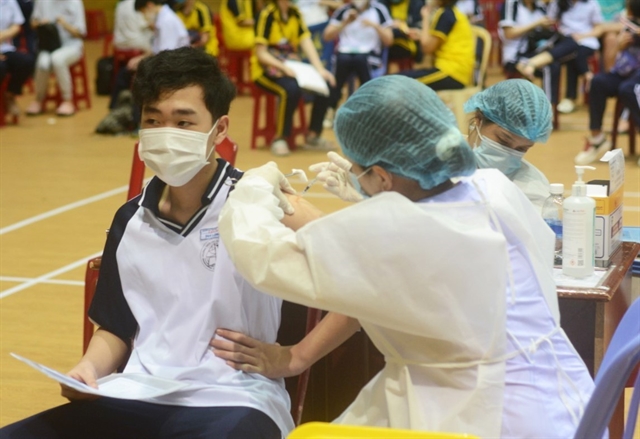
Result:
{"points": [[209, 254]]}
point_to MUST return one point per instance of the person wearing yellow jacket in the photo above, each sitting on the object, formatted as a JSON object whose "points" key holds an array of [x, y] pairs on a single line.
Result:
{"points": [[197, 18]]}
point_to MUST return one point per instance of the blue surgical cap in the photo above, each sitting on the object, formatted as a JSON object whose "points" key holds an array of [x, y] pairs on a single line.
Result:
{"points": [[402, 125], [516, 105]]}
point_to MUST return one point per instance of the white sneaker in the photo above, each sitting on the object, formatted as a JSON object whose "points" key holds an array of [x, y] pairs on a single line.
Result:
{"points": [[566, 106], [328, 118], [318, 144], [280, 148], [592, 152]]}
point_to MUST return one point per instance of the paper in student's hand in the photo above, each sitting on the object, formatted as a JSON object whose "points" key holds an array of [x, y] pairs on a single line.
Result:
{"points": [[308, 77], [122, 386]]}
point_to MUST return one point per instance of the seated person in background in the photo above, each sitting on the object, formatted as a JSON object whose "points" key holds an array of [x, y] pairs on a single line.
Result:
{"points": [[446, 34], [280, 33], [130, 29], [17, 64], [27, 39], [166, 282], [621, 81], [315, 14], [472, 9], [580, 25], [168, 33], [407, 21], [236, 19], [363, 30], [507, 119], [68, 17], [520, 22], [476, 353], [196, 17], [611, 10]]}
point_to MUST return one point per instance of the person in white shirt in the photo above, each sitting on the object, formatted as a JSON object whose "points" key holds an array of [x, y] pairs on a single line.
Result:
{"points": [[130, 29], [580, 25], [13, 62], [68, 17], [168, 33], [363, 29], [166, 283]]}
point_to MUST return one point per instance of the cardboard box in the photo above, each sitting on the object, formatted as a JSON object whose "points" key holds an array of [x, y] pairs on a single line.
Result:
{"points": [[608, 195]]}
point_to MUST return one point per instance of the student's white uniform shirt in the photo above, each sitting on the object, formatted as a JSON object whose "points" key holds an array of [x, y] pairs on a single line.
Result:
{"points": [[429, 282], [580, 18], [131, 30], [516, 14], [356, 37], [169, 287], [170, 32], [11, 14]]}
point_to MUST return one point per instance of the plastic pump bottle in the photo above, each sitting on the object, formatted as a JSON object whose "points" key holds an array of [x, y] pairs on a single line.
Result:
{"points": [[579, 213], [552, 215]]}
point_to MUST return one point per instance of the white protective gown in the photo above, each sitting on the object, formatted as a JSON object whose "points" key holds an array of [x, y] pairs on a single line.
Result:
{"points": [[427, 281], [532, 182]]}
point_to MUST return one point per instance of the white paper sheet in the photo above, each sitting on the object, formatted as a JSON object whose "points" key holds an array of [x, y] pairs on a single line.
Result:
{"points": [[308, 77], [120, 385], [569, 282]]}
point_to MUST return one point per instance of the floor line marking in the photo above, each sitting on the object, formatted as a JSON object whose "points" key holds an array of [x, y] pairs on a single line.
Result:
{"points": [[50, 281], [48, 276], [62, 209]]}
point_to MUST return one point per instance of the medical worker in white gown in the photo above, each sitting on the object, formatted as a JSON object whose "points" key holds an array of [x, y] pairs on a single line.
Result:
{"points": [[451, 281], [508, 118]]}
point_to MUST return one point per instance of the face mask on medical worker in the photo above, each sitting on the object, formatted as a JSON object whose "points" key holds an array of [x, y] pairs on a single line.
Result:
{"points": [[175, 155], [491, 154], [355, 182]]}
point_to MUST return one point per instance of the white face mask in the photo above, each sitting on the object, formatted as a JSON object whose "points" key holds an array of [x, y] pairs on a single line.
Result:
{"points": [[174, 155], [491, 154]]}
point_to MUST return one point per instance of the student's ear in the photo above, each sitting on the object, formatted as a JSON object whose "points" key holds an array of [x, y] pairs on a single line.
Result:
{"points": [[222, 129]]}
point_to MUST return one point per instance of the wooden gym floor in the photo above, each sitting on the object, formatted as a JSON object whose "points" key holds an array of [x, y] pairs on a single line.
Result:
{"points": [[60, 185]]}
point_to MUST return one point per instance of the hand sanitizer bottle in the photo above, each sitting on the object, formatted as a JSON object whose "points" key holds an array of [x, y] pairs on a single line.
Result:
{"points": [[579, 214]]}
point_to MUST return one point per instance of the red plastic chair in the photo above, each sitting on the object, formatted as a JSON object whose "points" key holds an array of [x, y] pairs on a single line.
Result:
{"points": [[491, 12], [80, 86], [3, 110], [234, 62], [265, 105], [96, 23]]}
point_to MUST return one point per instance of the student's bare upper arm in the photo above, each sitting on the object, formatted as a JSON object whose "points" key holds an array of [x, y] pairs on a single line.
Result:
{"points": [[304, 212]]}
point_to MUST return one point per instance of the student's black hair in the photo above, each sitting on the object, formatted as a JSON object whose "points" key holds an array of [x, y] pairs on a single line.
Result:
{"points": [[448, 3], [633, 7], [139, 4], [173, 70]]}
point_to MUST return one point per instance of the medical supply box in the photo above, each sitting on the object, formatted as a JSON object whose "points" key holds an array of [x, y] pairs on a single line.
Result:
{"points": [[608, 195]]}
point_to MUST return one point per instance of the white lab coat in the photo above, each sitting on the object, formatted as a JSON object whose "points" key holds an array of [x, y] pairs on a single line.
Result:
{"points": [[427, 281], [533, 183]]}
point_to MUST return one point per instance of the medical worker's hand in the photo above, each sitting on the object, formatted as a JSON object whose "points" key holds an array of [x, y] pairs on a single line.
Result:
{"points": [[334, 175], [253, 356], [84, 372], [281, 185]]}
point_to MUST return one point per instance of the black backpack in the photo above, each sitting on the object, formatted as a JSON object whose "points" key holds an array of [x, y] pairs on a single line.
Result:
{"points": [[104, 74]]}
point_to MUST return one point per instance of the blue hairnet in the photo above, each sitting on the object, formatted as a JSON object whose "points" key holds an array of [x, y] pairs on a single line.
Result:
{"points": [[402, 125], [516, 105]]}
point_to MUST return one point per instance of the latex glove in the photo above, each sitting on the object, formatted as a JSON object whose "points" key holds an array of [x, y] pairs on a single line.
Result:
{"points": [[334, 175], [275, 178]]}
